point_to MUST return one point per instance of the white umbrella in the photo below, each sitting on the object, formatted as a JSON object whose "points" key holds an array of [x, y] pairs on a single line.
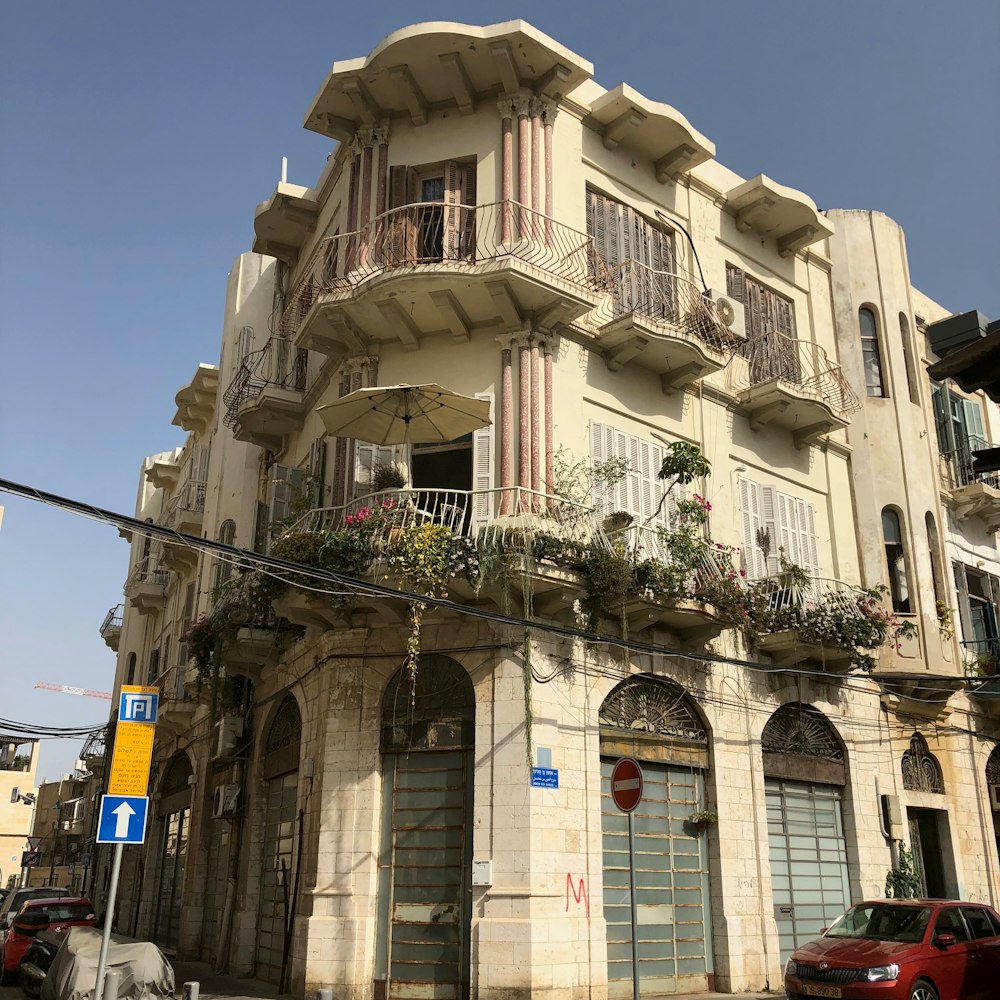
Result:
{"points": [[405, 414]]}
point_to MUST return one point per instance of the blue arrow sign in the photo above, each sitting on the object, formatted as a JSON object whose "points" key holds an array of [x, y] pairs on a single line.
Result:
{"points": [[122, 819]]}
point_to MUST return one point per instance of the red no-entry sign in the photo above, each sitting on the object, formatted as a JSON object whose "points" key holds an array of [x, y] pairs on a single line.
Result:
{"points": [[626, 784]]}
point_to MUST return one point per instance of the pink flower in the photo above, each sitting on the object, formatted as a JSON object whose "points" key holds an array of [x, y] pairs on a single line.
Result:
{"points": [[349, 519], [743, 572]]}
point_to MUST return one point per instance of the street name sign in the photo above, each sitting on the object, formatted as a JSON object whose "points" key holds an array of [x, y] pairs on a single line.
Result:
{"points": [[626, 784], [122, 819]]}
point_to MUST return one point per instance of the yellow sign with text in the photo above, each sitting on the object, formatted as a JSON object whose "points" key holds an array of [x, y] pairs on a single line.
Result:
{"points": [[133, 750]]}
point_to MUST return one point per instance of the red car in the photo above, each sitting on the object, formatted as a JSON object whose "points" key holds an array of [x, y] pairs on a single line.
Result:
{"points": [[41, 914], [902, 949]]}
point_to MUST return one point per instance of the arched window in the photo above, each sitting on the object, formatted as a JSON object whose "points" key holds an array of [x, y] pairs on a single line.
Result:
{"points": [[934, 549], [799, 742], [892, 535], [223, 567], [921, 770], [130, 669], [874, 384], [911, 371]]}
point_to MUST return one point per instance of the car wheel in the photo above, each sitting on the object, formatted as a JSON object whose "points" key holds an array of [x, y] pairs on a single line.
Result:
{"points": [[28, 987], [922, 990]]}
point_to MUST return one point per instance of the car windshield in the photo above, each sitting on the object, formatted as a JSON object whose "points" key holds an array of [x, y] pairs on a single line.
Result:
{"points": [[882, 922], [56, 912]]}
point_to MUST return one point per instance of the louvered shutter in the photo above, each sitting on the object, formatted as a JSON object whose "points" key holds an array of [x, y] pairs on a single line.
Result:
{"points": [[768, 523], [482, 470], [974, 424], [788, 529], [401, 238], [941, 421], [600, 441], [753, 560], [452, 212], [317, 470], [962, 587], [366, 457], [735, 288], [285, 482], [808, 549]]}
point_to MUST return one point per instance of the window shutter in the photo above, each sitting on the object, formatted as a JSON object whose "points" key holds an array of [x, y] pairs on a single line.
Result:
{"points": [[962, 586], [753, 559], [402, 235], [244, 344], [735, 287], [771, 566], [452, 213], [285, 482], [365, 459], [788, 530], [974, 424], [808, 549], [317, 470], [482, 470], [940, 417]]}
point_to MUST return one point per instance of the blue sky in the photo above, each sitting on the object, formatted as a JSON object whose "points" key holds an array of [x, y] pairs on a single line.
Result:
{"points": [[138, 137]]}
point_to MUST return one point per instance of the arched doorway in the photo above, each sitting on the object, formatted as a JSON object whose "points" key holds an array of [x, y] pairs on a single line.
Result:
{"points": [[993, 788], [281, 785], [174, 815], [804, 778], [654, 721], [425, 858]]}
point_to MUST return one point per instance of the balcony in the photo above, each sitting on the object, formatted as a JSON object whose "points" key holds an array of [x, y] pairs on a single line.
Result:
{"points": [[146, 587], [820, 621], [196, 400], [284, 222], [789, 383], [184, 512], [661, 321], [437, 267], [982, 672], [264, 402], [967, 492], [176, 707], [111, 627]]}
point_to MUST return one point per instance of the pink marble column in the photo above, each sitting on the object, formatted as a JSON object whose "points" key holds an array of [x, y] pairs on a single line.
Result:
{"points": [[536, 167], [536, 471], [524, 414], [506, 425], [506, 108], [352, 204], [340, 452], [548, 117], [521, 106], [354, 382], [368, 138], [381, 189], [551, 347]]}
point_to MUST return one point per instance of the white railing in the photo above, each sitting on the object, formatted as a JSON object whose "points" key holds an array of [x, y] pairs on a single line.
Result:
{"points": [[786, 594], [148, 570], [711, 561], [190, 497]]}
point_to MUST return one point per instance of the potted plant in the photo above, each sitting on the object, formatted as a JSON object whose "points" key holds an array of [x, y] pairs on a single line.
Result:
{"points": [[703, 817], [615, 523], [387, 477]]}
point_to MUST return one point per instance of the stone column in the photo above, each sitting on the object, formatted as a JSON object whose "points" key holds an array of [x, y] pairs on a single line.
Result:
{"points": [[522, 105], [524, 412], [353, 382], [506, 108], [551, 349], [352, 203], [536, 474], [549, 112], [340, 448], [536, 166], [382, 187], [367, 136], [506, 424]]}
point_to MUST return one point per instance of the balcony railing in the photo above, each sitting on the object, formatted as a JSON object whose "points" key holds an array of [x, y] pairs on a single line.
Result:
{"points": [[982, 657], [278, 363], [956, 466], [148, 571], [800, 363], [172, 687], [112, 623], [671, 298], [843, 599], [461, 237], [509, 517], [711, 562], [190, 498]]}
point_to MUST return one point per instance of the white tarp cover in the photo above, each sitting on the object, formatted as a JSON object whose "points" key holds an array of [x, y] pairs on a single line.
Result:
{"points": [[144, 970]]}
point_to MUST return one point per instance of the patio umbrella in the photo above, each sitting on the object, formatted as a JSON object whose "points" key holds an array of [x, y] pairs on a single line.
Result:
{"points": [[405, 414]]}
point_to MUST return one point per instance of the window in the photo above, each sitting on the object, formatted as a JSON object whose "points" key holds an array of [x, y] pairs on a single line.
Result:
{"points": [[223, 567], [154, 666], [870, 353], [934, 550], [130, 669], [979, 922], [892, 536], [978, 597], [959, 425], [770, 348], [911, 371], [949, 921], [775, 525]]}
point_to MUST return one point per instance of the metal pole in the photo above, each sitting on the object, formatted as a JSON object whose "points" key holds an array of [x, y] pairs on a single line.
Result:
{"points": [[632, 905], [109, 916]]}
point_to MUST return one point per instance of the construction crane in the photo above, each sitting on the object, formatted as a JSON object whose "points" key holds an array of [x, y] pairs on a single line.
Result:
{"points": [[66, 689]]}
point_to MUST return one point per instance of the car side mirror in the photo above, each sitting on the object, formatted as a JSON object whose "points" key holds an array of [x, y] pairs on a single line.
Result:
{"points": [[945, 939]]}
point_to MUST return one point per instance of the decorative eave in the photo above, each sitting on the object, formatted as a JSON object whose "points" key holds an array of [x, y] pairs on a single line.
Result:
{"points": [[922, 696], [785, 215], [162, 474], [284, 221], [656, 132], [442, 66], [196, 400]]}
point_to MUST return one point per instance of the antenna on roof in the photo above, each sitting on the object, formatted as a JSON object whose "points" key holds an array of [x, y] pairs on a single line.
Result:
{"points": [[284, 169]]}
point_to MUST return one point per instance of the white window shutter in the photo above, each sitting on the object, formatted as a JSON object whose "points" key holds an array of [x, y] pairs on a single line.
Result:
{"points": [[364, 462], [598, 453], [750, 516], [787, 542], [808, 548], [482, 470], [768, 522], [285, 482]]}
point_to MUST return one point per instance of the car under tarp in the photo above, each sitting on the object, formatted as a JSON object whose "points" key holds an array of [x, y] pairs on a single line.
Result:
{"points": [[73, 974]]}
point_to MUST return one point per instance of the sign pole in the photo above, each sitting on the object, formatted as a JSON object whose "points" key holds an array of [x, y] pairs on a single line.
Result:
{"points": [[632, 906], [109, 916]]}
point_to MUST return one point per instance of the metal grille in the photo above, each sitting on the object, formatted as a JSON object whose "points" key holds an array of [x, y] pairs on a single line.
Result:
{"points": [[921, 771], [276, 878], [802, 730], [432, 710], [277, 363], [652, 705], [814, 974], [993, 767], [286, 729]]}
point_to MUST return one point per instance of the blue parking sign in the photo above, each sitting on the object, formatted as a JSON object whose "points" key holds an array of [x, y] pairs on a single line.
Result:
{"points": [[122, 819], [137, 706]]}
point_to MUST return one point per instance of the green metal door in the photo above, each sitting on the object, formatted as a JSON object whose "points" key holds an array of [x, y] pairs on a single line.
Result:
{"points": [[671, 875], [809, 881]]}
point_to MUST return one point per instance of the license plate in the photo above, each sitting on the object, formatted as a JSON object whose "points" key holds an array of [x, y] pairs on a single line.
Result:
{"points": [[813, 990]]}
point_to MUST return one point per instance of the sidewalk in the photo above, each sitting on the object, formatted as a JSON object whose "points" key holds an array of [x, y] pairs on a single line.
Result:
{"points": [[213, 986]]}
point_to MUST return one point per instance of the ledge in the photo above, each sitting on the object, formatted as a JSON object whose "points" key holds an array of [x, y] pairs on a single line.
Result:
{"points": [[655, 131], [442, 66], [785, 215], [163, 474], [284, 221], [196, 400], [787, 649]]}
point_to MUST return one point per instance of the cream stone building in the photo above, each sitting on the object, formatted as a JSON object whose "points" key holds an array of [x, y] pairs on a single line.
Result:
{"points": [[328, 813], [18, 763]]}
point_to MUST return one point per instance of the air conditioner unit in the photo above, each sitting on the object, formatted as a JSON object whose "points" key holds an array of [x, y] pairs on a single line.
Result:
{"points": [[228, 731], [225, 800], [730, 312], [995, 797]]}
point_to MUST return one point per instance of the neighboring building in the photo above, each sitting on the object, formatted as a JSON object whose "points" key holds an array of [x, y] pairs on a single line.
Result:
{"points": [[18, 761], [494, 221]]}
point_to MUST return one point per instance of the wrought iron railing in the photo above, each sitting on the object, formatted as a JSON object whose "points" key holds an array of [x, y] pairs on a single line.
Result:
{"points": [[171, 685], [148, 570], [776, 357], [113, 621], [956, 466], [982, 657], [277, 363], [710, 563], [424, 234], [787, 593], [509, 517], [668, 297], [190, 497]]}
